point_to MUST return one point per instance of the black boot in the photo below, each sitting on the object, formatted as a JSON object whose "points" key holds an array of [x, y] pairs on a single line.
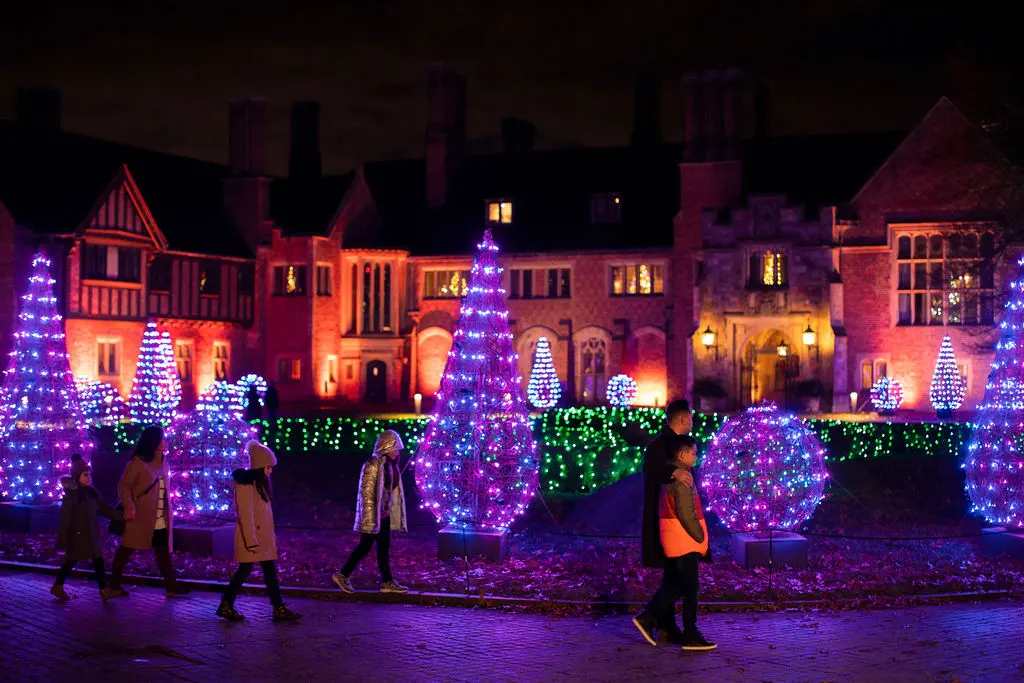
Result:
{"points": [[227, 611], [282, 613]]}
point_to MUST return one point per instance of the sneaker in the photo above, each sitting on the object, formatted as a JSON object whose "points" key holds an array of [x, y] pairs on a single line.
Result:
{"points": [[58, 592], [646, 628], [178, 590], [672, 637], [228, 611], [109, 593], [282, 613], [694, 641], [393, 587], [343, 583]]}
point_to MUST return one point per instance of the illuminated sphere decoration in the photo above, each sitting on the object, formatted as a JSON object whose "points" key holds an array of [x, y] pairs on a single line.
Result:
{"points": [[223, 397], [101, 403], [887, 395], [42, 416], [252, 380], [544, 389], [621, 391], [203, 449], [763, 469], [477, 465], [994, 464]]}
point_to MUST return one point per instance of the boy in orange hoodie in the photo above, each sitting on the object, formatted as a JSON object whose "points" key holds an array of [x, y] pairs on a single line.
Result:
{"points": [[684, 537]]}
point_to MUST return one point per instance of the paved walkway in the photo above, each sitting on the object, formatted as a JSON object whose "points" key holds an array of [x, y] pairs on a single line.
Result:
{"points": [[147, 637]]}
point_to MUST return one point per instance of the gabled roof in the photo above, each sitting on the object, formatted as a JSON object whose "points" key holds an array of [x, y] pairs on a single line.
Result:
{"points": [[50, 184]]}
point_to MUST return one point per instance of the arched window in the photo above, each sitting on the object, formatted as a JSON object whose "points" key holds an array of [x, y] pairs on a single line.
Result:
{"points": [[354, 298], [387, 298], [376, 298], [367, 291], [593, 369]]}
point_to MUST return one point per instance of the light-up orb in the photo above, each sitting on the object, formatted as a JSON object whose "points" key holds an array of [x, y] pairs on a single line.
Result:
{"points": [[221, 397], [252, 380], [621, 391], [763, 469], [887, 395]]}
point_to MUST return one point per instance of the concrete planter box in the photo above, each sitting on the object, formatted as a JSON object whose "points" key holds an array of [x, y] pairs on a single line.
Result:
{"points": [[998, 540], [205, 541], [30, 519], [454, 543], [780, 549]]}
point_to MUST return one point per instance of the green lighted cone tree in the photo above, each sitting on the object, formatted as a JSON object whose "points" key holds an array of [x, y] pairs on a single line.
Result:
{"points": [[477, 465]]}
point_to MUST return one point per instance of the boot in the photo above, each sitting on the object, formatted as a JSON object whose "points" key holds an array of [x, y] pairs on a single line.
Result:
{"points": [[227, 611], [282, 613], [58, 592]]}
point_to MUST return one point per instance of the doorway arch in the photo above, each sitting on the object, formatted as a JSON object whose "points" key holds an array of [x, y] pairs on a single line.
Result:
{"points": [[765, 374]]}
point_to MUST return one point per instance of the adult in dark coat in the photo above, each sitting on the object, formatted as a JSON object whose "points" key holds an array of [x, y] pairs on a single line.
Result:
{"points": [[253, 408], [659, 469], [271, 403], [79, 532]]}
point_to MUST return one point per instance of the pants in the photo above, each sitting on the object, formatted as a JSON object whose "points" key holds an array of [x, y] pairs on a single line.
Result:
{"points": [[383, 538], [161, 543], [681, 580], [269, 569], [97, 566]]}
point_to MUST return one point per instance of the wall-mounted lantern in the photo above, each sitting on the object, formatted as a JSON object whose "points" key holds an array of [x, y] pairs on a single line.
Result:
{"points": [[709, 339]]}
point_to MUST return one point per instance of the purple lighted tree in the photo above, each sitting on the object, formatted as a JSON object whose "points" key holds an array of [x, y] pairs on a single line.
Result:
{"points": [[43, 419], [995, 454], [477, 464], [156, 389]]}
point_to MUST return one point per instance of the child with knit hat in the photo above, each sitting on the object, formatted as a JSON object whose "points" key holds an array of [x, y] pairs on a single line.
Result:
{"points": [[79, 532], [380, 508], [254, 533]]}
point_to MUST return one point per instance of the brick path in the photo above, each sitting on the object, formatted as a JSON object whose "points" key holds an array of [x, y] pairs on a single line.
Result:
{"points": [[147, 638]]}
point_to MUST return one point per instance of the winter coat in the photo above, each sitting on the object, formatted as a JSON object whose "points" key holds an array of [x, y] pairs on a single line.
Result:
{"points": [[254, 532], [659, 463], [79, 532], [683, 529], [371, 493], [138, 475]]}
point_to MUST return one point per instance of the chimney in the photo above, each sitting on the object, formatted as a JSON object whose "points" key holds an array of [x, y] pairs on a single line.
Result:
{"points": [[712, 108], [304, 157], [732, 113], [646, 111], [517, 135], [694, 129], [38, 110], [446, 132], [247, 188]]}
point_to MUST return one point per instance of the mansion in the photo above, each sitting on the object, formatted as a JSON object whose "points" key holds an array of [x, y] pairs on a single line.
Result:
{"points": [[733, 264]]}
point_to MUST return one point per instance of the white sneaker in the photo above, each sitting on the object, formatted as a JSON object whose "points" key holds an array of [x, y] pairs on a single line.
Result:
{"points": [[343, 583]]}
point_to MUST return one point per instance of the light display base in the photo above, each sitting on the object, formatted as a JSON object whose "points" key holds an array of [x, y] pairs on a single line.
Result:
{"points": [[205, 541], [29, 519], [455, 543], [999, 540], [783, 548]]}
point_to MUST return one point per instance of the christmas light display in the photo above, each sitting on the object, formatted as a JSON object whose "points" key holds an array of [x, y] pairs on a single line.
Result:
{"points": [[203, 449], [621, 391], [5, 411], [544, 389], [222, 397], [995, 454], [948, 385], [156, 389], [887, 395], [44, 422], [477, 464], [252, 381], [763, 470], [100, 402]]}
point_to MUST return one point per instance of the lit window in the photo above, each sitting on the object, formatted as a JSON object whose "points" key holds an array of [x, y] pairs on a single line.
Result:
{"points": [[221, 360], [643, 279], [445, 284], [289, 281], [499, 212], [605, 208], [289, 370], [183, 359], [773, 269], [108, 354], [945, 279], [209, 280]]}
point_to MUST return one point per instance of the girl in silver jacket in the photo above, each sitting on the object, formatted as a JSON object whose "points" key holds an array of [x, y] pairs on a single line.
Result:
{"points": [[380, 507]]}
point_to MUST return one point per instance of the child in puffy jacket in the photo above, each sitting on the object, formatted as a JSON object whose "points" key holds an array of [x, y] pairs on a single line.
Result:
{"points": [[380, 508]]}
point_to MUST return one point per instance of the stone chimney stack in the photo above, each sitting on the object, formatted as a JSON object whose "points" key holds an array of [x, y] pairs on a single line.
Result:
{"points": [[247, 187], [713, 101], [446, 132]]}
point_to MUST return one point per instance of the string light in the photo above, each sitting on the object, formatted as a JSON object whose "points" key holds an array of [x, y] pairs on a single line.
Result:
{"points": [[222, 397], [544, 389], [156, 388], [252, 381], [763, 470], [995, 455], [948, 386], [477, 463], [42, 417], [100, 402], [621, 391], [887, 395]]}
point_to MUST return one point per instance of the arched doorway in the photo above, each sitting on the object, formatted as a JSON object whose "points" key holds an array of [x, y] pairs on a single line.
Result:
{"points": [[376, 382], [765, 373]]}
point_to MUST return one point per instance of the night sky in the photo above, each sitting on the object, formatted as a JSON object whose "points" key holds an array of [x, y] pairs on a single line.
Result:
{"points": [[158, 74]]}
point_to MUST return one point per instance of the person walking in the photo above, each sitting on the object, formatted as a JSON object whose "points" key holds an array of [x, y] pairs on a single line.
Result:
{"points": [[270, 402], [380, 508], [660, 468], [253, 409], [78, 535], [255, 540], [147, 511]]}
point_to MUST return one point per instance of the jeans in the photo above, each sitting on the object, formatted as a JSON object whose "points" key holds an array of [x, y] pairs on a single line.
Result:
{"points": [[681, 580], [97, 565], [269, 569], [161, 547], [383, 538]]}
